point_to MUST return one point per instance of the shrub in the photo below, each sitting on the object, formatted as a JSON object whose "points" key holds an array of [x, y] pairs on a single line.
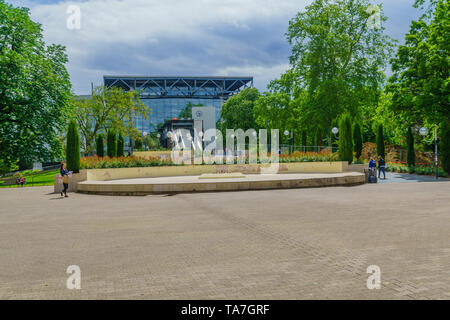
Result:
{"points": [[73, 148], [138, 144], [445, 147], [380, 142], [100, 146], [345, 139], [120, 146], [357, 140], [411, 157], [111, 144]]}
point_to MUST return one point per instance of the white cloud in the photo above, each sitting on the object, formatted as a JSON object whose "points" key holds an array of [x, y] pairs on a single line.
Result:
{"points": [[194, 37]]}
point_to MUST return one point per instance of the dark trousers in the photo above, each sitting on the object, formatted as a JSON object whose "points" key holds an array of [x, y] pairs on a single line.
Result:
{"points": [[66, 186], [381, 169]]}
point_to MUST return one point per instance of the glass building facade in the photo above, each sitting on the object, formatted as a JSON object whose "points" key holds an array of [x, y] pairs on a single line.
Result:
{"points": [[168, 96]]}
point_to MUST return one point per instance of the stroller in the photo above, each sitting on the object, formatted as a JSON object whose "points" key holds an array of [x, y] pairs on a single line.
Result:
{"points": [[371, 175]]}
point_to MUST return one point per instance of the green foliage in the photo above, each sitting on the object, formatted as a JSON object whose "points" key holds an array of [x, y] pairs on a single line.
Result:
{"points": [[138, 143], [345, 138], [421, 68], [106, 109], [120, 145], [357, 140], [100, 146], [336, 60], [445, 147], [238, 111], [304, 138], [73, 148], [186, 113], [151, 141], [380, 142], [34, 90], [411, 154], [111, 144]]}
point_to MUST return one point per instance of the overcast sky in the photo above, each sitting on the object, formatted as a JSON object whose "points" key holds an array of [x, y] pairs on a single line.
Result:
{"points": [[182, 37]]}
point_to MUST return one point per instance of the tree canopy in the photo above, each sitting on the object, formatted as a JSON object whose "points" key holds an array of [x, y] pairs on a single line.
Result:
{"points": [[34, 90]]}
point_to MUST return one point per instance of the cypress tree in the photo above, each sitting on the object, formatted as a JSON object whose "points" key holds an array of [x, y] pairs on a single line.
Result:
{"points": [[100, 146], [345, 139], [380, 142], [445, 147], [411, 156], [357, 140], [111, 144], [120, 146], [73, 148]]}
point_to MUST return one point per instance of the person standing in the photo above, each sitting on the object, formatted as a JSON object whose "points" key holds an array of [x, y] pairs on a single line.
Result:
{"points": [[65, 175], [381, 168]]}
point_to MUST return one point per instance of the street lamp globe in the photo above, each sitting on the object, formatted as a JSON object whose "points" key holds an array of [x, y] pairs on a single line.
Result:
{"points": [[335, 130], [286, 133], [423, 131], [158, 136]]}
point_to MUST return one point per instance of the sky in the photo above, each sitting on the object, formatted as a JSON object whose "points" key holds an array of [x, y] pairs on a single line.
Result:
{"points": [[182, 37]]}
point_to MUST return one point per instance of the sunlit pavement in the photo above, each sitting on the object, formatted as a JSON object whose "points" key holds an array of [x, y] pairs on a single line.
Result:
{"points": [[279, 244], [394, 177]]}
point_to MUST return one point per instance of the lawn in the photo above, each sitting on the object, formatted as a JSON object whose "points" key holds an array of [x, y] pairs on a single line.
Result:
{"points": [[33, 180]]}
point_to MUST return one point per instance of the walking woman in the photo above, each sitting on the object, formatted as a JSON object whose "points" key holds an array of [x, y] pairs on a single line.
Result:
{"points": [[65, 174]]}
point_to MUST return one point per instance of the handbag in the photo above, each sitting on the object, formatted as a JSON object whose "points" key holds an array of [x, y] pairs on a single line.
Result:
{"points": [[66, 179]]}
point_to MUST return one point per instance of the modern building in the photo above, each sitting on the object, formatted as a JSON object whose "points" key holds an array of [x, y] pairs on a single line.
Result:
{"points": [[168, 96]]}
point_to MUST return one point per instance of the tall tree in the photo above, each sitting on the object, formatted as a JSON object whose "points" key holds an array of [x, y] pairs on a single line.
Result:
{"points": [[111, 144], [108, 108], [420, 81], [338, 58], [380, 142], [445, 146], [411, 154], [357, 140], [238, 111], [73, 148], [100, 146], [120, 145], [34, 90], [345, 138]]}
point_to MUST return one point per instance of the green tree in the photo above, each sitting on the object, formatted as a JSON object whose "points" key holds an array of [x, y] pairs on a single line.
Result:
{"points": [[186, 113], [411, 155], [34, 90], [238, 111], [100, 146], [108, 108], [337, 59], [111, 144], [345, 138], [445, 146], [138, 143], [73, 148], [380, 142], [120, 145], [357, 140], [420, 81]]}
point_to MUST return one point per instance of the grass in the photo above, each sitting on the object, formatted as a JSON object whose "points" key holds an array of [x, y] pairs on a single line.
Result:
{"points": [[33, 180]]}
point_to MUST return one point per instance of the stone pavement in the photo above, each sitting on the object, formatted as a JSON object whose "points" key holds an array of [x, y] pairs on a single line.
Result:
{"points": [[395, 177], [278, 244]]}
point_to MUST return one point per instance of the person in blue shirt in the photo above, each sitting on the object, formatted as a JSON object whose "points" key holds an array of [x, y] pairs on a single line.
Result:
{"points": [[372, 164], [65, 174]]}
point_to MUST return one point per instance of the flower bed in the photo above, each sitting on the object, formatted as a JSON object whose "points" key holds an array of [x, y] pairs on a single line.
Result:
{"points": [[96, 162]]}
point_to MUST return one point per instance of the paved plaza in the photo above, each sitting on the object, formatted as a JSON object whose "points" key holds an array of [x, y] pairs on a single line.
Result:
{"points": [[274, 244]]}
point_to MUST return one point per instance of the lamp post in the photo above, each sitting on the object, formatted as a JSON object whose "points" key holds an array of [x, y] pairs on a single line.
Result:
{"points": [[291, 147], [424, 132]]}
